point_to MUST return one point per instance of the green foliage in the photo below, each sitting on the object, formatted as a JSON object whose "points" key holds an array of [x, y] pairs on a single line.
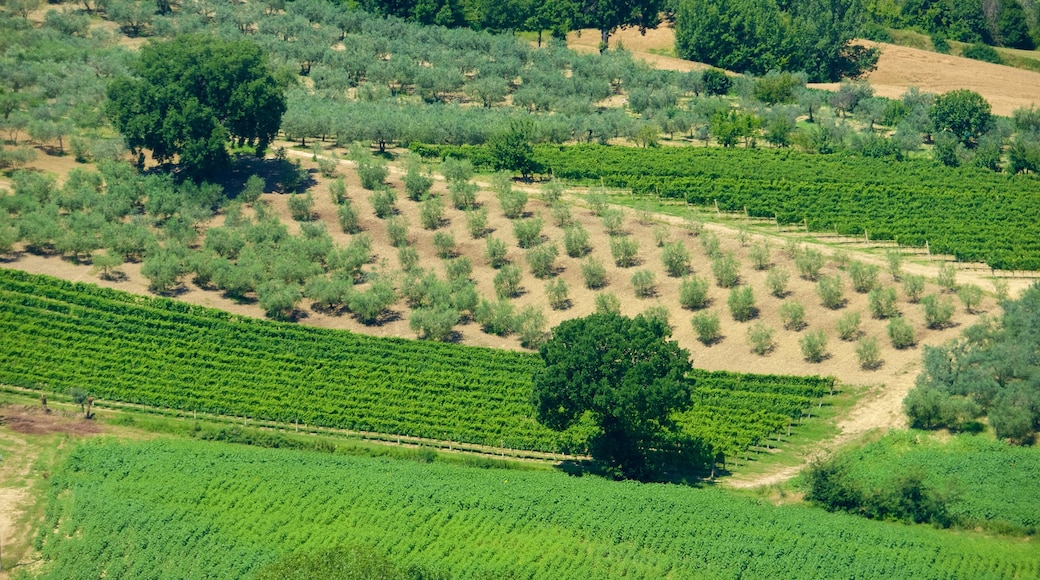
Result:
{"points": [[512, 151], [947, 278], [530, 327], [710, 243], [963, 114], [628, 376], [542, 260], [417, 179], [556, 292], [882, 303], [389, 506], [613, 221], [495, 252], [625, 251], [463, 194], [901, 333], [163, 269], [693, 293], [776, 280], [676, 259], [607, 303], [301, 207], [349, 220], [864, 276], [528, 232], [848, 326], [726, 270], [741, 303], [192, 95], [576, 241], [706, 326], [759, 255], [278, 298], [476, 222], [913, 287], [383, 201], [341, 562], [831, 292], [593, 273], [431, 213], [868, 352], [643, 284], [456, 170], [970, 295], [715, 81], [937, 311], [397, 231], [507, 282], [498, 318], [814, 346], [809, 261], [371, 171], [983, 52], [792, 314]]}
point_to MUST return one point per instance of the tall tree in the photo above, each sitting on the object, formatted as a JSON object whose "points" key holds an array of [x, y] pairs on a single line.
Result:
{"points": [[608, 16], [963, 114], [192, 95], [627, 375]]}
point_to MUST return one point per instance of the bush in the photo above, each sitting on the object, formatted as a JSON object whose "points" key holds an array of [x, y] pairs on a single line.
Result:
{"points": [[496, 318], [831, 292], [301, 207], [869, 353], [513, 203], [741, 303], [661, 235], [937, 311], [882, 303], [436, 323], [706, 326], [809, 262], [759, 255], [693, 293], [431, 213], [397, 231], [456, 170], [556, 292], [760, 337], [613, 221], [716, 82], [901, 333], [383, 203], [947, 278], [542, 260], [528, 232], [463, 194], [444, 242], [895, 264], [940, 44], [552, 191], [814, 346], [848, 326], [530, 326], [476, 222], [726, 270], [408, 258], [983, 52], [417, 179], [507, 282], [594, 274], [913, 287], [793, 316], [676, 259], [458, 270], [576, 241], [643, 284], [776, 280], [864, 276], [561, 215], [607, 302], [495, 252], [624, 251], [710, 243], [371, 173], [971, 296]]}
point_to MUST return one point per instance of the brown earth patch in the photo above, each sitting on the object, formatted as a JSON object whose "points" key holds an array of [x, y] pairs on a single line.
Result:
{"points": [[34, 421]]}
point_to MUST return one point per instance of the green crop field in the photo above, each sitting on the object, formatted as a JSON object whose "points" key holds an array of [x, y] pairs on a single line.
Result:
{"points": [[989, 483], [189, 509], [161, 353]]}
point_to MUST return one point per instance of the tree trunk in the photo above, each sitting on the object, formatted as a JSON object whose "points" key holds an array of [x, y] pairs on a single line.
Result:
{"points": [[604, 40]]}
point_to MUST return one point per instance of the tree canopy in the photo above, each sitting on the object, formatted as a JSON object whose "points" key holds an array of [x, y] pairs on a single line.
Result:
{"points": [[963, 114], [993, 371], [190, 96], [627, 376]]}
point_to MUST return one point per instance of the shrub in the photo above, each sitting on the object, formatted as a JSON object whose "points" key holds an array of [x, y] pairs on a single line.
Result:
{"points": [[864, 276], [1001, 290], [661, 235], [431, 213], [741, 303], [913, 287], [542, 260], [643, 284], [971, 296], [444, 242], [328, 163], [436, 323], [594, 274], [507, 282], [760, 337], [937, 311], [561, 215], [607, 302], [848, 326], [576, 241], [495, 252], [624, 251], [841, 258], [417, 179], [455, 170], [458, 269], [710, 243], [383, 203], [693, 293], [776, 280], [552, 191], [676, 259], [940, 44], [496, 318], [371, 173], [809, 262], [895, 264], [759, 255], [397, 231], [983, 52], [337, 190], [706, 326], [463, 194], [657, 313], [349, 221], [814, 346], [901, 333], [882, 303], [556, 292], [613, 221], [530, 326], [528, 232], [476, 222], [793, 316], [513, 203], [869, 353], [726, 270], [597, 202], [947, 278], [831, 293], [408, 258], [301, 207]]}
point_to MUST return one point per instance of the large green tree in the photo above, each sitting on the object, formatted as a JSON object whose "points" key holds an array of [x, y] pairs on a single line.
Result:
{"points": [[627, 377], [191, 96], [608, 16], [963, 114]]}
